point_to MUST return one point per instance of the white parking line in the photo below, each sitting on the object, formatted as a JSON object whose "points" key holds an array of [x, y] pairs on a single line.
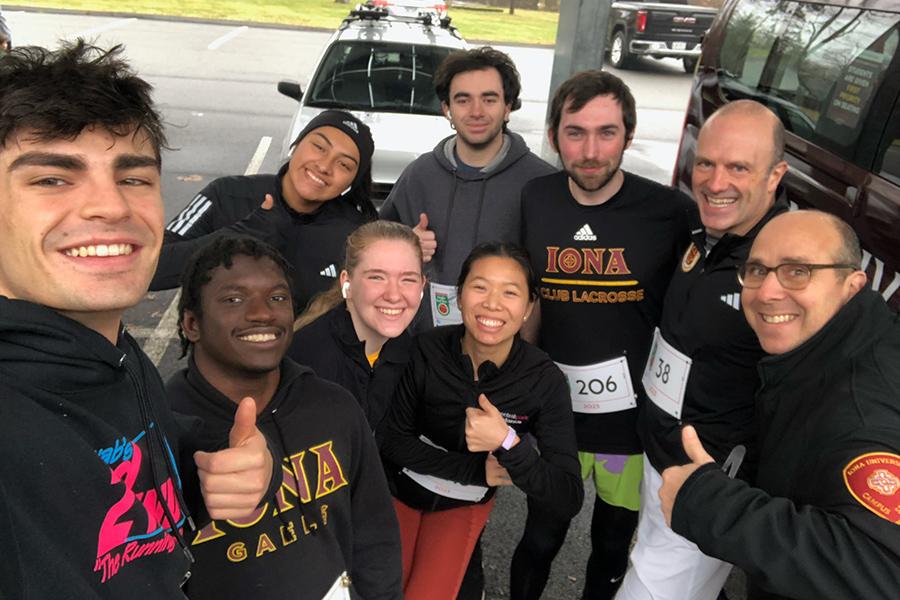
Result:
{"points": [[256, 161], [101, 28], [215, 44], [167, 329]]}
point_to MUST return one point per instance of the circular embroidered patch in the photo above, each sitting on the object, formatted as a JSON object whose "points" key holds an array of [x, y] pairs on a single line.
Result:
{"points": [[691, 257], [874, 480]]}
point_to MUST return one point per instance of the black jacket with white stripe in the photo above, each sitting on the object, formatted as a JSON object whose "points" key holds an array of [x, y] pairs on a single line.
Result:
{"points": [[702, 318], [312, 243]]}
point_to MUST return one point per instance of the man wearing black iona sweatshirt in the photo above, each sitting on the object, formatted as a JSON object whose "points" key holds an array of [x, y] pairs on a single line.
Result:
{"points": [[604, 243], [329, 529]]}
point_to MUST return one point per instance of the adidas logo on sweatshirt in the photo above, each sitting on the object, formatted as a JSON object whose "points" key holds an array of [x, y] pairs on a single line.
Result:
{"points": [[329, 271], [732, 300], [585, 234]]}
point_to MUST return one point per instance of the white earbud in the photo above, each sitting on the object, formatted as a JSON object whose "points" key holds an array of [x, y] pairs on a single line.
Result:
{"points": [[421, 294], [345, 289]]}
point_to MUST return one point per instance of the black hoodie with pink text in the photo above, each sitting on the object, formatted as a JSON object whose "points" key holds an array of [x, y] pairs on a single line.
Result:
{"points": [[90, 495]]}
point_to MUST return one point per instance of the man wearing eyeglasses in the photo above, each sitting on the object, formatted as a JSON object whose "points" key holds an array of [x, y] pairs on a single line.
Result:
{"points": [[702, 365], [824, 518]]}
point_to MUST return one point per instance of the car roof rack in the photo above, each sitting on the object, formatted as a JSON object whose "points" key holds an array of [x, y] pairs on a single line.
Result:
{"points": [[370, 12]]}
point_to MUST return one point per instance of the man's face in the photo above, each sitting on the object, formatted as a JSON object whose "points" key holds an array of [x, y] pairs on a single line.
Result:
{"points": [[247, 320], [733, 179], [477, 107], [782, 318], [81, 222], [323, 165], [591, 142]]}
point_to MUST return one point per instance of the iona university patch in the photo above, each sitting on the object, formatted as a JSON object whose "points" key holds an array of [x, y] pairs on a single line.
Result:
{"points": [[873, 479]]}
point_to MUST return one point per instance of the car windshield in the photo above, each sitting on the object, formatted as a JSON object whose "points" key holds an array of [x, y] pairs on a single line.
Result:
{"points": [[378, 77]]}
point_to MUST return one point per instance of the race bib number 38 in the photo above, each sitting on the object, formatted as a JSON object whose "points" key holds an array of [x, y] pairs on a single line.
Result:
{"points": [[600, 388], [665, 376]]}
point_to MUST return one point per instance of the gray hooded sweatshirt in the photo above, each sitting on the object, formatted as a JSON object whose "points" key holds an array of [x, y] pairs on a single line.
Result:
{"points": [[464, 207]]}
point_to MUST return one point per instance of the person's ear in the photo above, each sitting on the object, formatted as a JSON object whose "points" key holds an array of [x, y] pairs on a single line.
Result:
{"points": [[855, 281], [528, 310], [775, 176], [190, 326]]}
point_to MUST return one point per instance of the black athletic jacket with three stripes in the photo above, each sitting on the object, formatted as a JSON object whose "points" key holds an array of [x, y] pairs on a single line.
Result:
{"points": [[312, 243]]}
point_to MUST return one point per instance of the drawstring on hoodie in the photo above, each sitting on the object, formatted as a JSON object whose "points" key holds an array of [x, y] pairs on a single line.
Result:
{"points": [[155, 434], [307, 515]]}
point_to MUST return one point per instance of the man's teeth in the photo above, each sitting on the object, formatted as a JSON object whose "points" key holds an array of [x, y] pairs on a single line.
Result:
{"points": [[490, 322], [720, 201], [391, 312], [101, 250], [258, 337], [778, 318]]}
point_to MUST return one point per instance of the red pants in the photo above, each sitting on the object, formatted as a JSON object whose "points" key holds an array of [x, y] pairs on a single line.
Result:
{"points": [[436, 548]]}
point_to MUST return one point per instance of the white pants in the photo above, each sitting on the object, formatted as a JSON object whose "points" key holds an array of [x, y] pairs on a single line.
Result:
{"points": [[664, 565]]}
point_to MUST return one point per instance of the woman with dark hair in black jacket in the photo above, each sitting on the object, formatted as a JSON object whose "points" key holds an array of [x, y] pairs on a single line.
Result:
{"points": [[306, 210], [453, 432]]}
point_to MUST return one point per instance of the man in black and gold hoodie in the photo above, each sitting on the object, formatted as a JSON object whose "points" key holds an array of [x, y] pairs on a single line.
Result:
{"points": [[94, 462], [330, 527]]}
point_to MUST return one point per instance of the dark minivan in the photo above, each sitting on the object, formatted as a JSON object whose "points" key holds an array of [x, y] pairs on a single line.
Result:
{"points": [[830, 69]]}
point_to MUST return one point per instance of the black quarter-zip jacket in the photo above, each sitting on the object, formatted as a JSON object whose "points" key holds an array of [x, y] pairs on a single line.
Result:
{"points": [[702, 318], [313, 243], [330, 512], [90, 494], [815, 528], [330, 346], [530, 392]]}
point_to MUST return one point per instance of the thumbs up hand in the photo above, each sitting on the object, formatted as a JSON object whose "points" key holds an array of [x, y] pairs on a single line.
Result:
{"points": [[234, 480], [674, 477], [427, 239], [485, 427]]}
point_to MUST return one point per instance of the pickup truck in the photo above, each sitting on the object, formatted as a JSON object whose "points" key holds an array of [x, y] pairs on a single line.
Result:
{"points": [[658, 30]]}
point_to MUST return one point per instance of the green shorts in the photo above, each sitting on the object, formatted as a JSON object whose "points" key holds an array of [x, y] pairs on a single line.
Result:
{"points": [[617, 477]]}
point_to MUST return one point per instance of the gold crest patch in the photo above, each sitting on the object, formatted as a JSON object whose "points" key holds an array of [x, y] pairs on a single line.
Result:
{"points": [[691, 257]]}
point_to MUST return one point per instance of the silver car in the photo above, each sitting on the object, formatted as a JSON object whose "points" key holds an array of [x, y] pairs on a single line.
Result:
{"points": [[380, 67]]}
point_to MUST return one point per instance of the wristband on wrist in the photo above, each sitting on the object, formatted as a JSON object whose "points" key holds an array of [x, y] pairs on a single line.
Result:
{"points": [[509, 440]]}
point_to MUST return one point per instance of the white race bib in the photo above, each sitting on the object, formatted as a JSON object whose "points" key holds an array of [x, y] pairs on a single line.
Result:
{"points": [[444, 310], [600, 388], [340, 589], [445, 487], [665, 376]]}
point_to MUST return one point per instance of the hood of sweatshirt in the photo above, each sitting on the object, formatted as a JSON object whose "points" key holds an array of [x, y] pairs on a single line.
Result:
{"points": [[513, 149]]}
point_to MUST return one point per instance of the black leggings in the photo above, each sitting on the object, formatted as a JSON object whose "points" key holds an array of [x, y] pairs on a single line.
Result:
{"points": [[612, 528]]}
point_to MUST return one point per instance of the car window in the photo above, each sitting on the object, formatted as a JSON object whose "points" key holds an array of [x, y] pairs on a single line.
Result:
{"points": [[378, 76], [889, 155], [816, 66]]}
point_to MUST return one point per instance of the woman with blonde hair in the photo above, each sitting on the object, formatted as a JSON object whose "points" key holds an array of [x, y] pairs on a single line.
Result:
{"points": [[355, 334]]}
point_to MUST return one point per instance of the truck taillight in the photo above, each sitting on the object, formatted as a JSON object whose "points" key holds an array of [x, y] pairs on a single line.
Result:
{"points": [[640, 21]]}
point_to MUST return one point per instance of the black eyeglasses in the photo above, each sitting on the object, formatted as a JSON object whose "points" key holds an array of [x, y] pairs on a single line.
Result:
{"points": [[791, 276]]}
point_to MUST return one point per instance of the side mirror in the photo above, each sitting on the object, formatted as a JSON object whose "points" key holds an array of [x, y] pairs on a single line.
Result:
{"points": [[291, 89]]}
